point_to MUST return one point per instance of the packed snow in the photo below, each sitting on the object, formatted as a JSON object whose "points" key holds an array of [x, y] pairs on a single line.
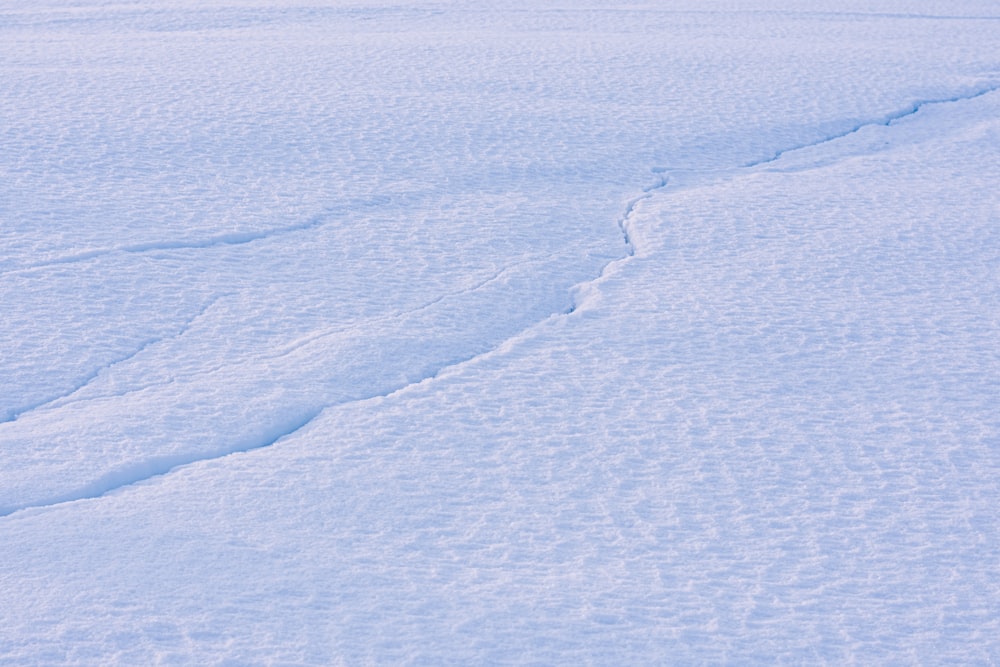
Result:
{"points": [[499, 333]]}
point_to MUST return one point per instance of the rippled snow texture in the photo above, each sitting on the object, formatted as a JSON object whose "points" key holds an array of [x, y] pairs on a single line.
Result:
{"points": [[528, 333]]}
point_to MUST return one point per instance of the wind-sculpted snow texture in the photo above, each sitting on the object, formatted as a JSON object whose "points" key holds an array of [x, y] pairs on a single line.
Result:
{"points": [[519, 334]]}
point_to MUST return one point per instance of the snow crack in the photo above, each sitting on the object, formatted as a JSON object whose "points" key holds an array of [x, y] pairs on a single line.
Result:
{"points": [[139, 472], [60, 399], [225, 239], [886, 121], [666, 175], [317, 336]]}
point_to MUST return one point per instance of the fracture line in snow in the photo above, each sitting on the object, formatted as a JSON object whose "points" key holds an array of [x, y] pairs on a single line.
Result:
{"points": [[230, 239], [143, 471], [65, 398], [227, 239], [884, 121], [317, 336], [647, 192], [139, 472], [93, 375]]}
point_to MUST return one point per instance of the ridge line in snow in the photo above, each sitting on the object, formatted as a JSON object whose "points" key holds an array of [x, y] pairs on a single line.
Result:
{"points": [[141, 471], [666, 174], [93, 375], [65, 398], [231, 238], [225, 239], [312, 337], [886, 121], [137, 473]]}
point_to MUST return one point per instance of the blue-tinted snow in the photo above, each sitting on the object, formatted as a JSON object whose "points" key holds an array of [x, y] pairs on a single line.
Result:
{"points": [[767, 435]]}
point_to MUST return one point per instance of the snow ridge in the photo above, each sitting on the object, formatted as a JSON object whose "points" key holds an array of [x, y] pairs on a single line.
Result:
{"points": [[134, 474], [647, 192], [93, 375], [886, 121], [227, 239], [667, 175], [140, 472], [320, 335]]}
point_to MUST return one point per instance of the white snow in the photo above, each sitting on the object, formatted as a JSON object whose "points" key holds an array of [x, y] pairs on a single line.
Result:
{"points": [[525, 333]]}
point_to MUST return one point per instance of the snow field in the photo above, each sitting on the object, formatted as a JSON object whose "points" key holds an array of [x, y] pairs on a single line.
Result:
{"points": [[376, 408]]}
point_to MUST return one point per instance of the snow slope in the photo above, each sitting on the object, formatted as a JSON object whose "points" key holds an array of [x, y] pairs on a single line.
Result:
{"points": [[547, 334]]}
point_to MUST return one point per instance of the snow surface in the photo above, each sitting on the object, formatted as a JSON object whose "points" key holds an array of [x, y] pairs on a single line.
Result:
{"points": [[526, 333]]}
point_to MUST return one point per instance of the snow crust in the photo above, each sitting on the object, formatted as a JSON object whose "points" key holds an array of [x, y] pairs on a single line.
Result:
{"points": [[534, 333]]}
